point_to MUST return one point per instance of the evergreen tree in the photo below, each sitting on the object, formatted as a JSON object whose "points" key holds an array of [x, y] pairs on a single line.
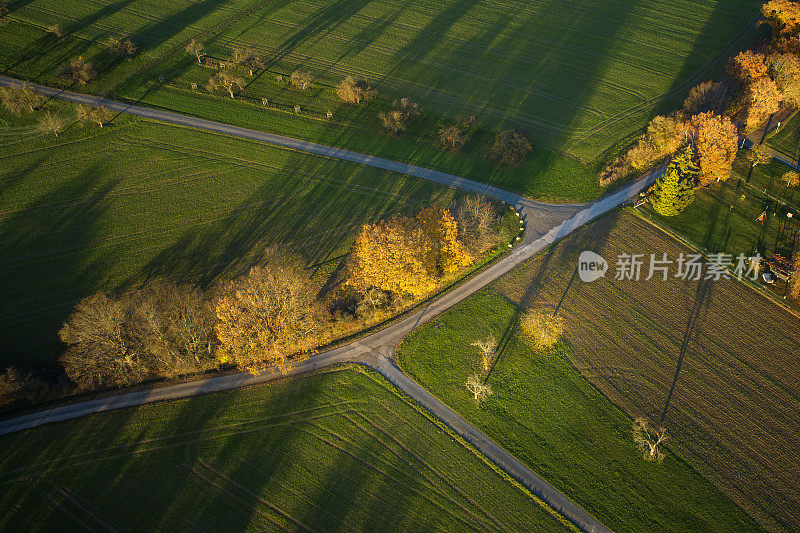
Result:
{"points": [[674, 191]]}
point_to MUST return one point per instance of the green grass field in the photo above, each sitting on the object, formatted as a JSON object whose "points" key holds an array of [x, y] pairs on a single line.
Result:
{"points": [[724, 216], [735, 387], [787, 139], [337, 451], [579, 77], [98, 209]]}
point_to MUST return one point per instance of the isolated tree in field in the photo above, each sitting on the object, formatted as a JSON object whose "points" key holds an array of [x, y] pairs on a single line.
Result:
{"points": [[649, 439], [56, 31], [442, 231], [541, 329], [122, 46], [354, 90], [51, 123], [487, 347], [748, 66], [707, 96], [98, 114], [476, 217], [674, 190], [77, 71], [451, 138], [246, 58], [393, 255], [782, 15], [225, 80], [301, 79], [759, 154], [479, 390], [785, 70], [791, 179], [394, 120], [18, 99], [99, 350], [265, 316], [510, 148], [716, 144], [196, 49], [762, 100]]}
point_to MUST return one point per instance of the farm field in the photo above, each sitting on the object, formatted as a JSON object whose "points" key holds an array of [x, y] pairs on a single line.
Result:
{"points": [[717, 359], [331, 451], [578, 77], [99, 209]]}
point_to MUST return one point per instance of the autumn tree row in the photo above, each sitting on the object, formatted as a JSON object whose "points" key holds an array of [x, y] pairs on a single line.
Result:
{"points": [[272, 313]]}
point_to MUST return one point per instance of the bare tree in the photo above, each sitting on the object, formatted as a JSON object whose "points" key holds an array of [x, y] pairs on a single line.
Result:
{"points": [[649, 439], [97, 114], [247, 58], [99, 351], [78, 70], [196, 49], [122, 46], [301, 79], [225, 80], [55, 29], [477, 228], [487, 348], [479, 390], [20, 98], [759, 154], [354, 90], [50, 123], [451, 138]]}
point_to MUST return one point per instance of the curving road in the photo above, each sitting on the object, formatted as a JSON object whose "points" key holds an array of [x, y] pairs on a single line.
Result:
{"points": [[546, 224]]}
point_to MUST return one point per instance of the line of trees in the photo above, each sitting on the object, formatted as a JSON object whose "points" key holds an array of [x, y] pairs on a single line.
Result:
{"points": [[266, 317]]}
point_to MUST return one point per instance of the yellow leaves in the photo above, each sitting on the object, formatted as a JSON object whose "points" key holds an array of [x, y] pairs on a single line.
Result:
{"points": [[748, 66], [717, 142], [406, 255]]}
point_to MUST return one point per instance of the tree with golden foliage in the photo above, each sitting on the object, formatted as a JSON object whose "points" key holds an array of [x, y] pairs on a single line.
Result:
{"points": [[791, 179], [354, 90], [394, 120], [246, 58], [762, 100], [50, 123], [77, 71], [195, 48], [442, 230], [759, 154], [20, 98], [747, 66], [785, 70], [541, 329], [98, 114], [266, 316], [394, 255], [782, 15], [716, 143], [225, 80], [301, 79], [663, 137]]}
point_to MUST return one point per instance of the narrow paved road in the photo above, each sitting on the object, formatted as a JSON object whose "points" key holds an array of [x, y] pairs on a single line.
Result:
{"points": [[547, 224]]}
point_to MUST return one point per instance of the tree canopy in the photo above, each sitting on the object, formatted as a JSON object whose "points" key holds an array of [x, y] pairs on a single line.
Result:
{"points": [[674, 191]]}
